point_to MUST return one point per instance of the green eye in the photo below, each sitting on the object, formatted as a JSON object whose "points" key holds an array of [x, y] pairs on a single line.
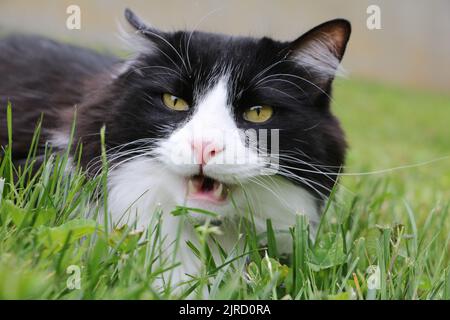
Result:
{"points": [[174, 102], [258, 114]]}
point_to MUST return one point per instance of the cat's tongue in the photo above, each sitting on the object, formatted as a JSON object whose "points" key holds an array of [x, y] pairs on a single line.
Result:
{"points": [[200, 187]]}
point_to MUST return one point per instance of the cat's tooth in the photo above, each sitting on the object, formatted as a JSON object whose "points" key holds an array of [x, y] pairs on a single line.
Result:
{"points": [[218, 191], [225, 193], [191, 187]]}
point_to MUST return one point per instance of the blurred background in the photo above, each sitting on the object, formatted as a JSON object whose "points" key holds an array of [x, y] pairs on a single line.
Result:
{"points": [[394, 103], [412, 48]]}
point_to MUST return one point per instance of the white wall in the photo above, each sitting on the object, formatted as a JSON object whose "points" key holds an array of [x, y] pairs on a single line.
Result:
{"points": [[412, 49]]}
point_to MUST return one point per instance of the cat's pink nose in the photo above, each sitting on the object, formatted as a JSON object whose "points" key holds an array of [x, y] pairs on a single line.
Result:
{"points": [[205, 150]]}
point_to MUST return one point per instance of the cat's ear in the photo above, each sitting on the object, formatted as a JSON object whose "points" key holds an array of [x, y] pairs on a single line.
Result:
{"points": [[141, 27], [321, 49], [134, 20], [144, 41]]}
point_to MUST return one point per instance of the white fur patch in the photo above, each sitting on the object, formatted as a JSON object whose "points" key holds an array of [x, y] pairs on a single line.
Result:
{"points": [[143, 187], [211, 122], [59, 140]]}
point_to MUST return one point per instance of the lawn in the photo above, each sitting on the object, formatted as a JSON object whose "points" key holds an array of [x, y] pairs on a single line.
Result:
{"points": [[384, 235]]}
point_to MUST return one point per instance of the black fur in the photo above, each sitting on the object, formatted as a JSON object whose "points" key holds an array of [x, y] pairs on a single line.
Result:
{"points": [[42, 76], [38, 75]]}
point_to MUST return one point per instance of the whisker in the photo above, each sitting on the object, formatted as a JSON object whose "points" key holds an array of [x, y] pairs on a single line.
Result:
{"points": [[194, 29], [170, 46]]}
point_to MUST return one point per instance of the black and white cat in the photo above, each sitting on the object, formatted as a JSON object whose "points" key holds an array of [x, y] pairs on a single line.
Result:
{"points": [[171, 114]]}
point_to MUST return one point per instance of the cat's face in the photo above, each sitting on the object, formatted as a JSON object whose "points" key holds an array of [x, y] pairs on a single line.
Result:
{"points": [[206, 115]]}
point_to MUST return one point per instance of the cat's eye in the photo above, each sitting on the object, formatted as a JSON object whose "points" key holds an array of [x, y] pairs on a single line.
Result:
{"points": [[258, 114], [174, 102]]}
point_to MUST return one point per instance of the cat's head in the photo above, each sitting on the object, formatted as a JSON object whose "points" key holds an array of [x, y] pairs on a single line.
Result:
{"points": [[218, 112]]}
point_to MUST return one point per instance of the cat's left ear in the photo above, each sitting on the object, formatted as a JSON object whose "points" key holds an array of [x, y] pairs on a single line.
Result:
{"points": [[321, 49]]}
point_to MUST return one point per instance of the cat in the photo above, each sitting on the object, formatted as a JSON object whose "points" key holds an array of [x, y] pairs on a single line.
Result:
{"points": [[171, 114]]}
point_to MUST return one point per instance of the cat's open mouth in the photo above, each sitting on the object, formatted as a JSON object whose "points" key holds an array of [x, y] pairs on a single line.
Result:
{"points": [[200, 187]]}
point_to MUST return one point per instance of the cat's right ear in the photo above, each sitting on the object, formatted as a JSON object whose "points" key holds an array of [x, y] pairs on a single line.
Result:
{"points": [[134, 20], [143, 41], [141, 27], [137, 23]]}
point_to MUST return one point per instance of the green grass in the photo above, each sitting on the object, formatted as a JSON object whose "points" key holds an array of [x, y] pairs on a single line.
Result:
{"points": [[395, 222]]}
